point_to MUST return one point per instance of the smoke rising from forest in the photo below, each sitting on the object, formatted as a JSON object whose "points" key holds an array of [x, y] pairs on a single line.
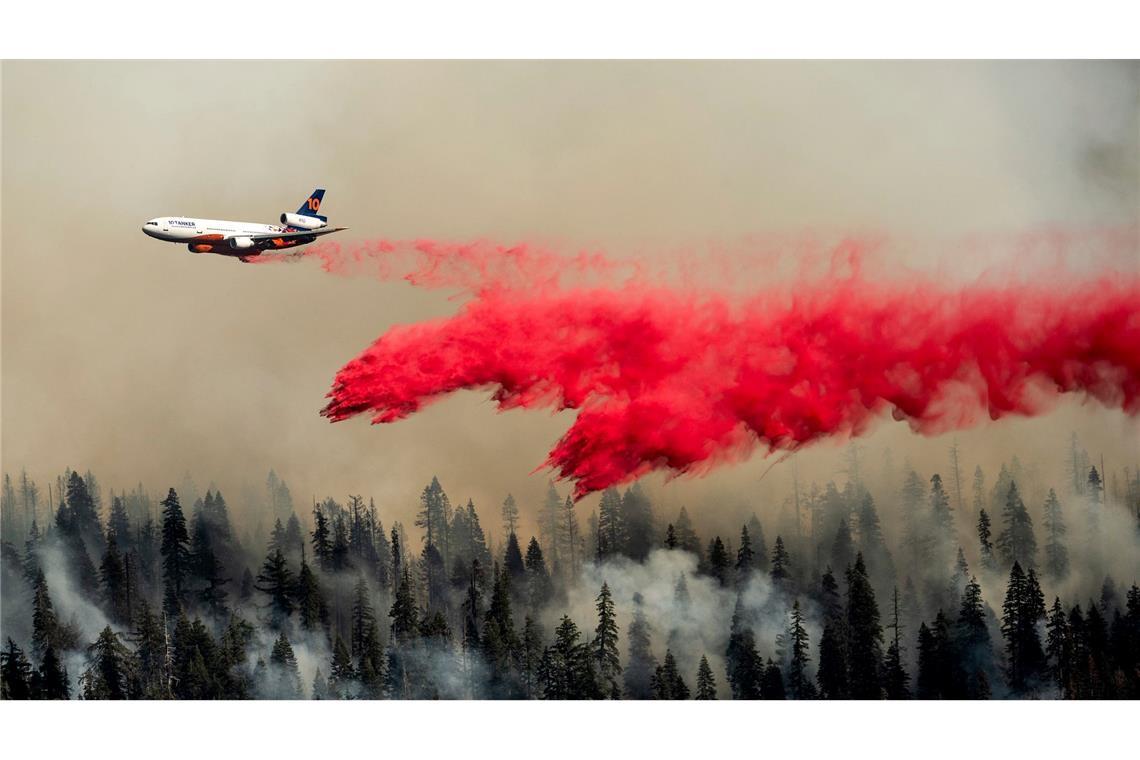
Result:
{"points": [[156, 369]]}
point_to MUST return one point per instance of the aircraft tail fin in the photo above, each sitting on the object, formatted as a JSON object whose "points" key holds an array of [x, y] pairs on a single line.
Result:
{"points": [[312, 205]]}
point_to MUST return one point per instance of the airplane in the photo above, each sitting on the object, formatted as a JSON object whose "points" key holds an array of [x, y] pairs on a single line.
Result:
{"points": [[244, 240]]}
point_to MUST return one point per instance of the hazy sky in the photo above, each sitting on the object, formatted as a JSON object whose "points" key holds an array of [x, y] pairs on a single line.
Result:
{"points": [[140, 361]]}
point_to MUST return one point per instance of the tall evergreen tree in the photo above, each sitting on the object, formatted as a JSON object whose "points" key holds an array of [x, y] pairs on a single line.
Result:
{"points": [[109, 671], [781, 565], [706, 684], [276, 581], [667, 680], [984, 542], [718, 561], [641, 665], [284, 679], [896, 680], [1056, 555], [175, 555], [799, 686], [1016, 542], [864, 635], [1021, 610], [605, 644], [743, 662]]}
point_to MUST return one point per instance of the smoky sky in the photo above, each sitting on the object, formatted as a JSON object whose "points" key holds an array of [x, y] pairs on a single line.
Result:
{"points": [[140, 361]]}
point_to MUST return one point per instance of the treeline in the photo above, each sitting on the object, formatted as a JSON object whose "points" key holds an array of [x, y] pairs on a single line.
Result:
{"points": [[178, 607]]}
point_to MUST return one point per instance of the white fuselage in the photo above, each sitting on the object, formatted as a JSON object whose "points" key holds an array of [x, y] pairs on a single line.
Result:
{"points": [[182, 229]]}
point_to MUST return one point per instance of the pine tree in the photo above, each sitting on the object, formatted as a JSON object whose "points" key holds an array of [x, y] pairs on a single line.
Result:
{"points": [[109, 672], [781, 565], [984, 534], [510, 515], [1021, 611], [45, 627], [284, 678], [842, 548], [718, 561], [1058, 647], [538, 584], [1056, 555], [611, 532], [15, 673], [745, 558], [799, 686], [363, 617], [312, 609], [896, 680], [667, 680], [864, 634], [341, 672], [321, 537], [972, 645], [550, 524], [51, 682], [641, 664], [175, 555], [276, 581], [531, 657], [1016, 542], [742, 661], [942, 518], [605, 644], [113, 578], [706, 684]]}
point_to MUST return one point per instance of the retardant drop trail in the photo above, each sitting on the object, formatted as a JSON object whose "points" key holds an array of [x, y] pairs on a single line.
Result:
{"points": [[681, 381]]}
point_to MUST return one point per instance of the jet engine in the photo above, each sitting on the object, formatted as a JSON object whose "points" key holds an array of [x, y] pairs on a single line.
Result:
{"points": [[240, 243], [303, 222]]}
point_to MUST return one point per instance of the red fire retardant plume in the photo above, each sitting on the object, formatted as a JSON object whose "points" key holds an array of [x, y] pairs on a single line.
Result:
{"points": [[681, 380]]}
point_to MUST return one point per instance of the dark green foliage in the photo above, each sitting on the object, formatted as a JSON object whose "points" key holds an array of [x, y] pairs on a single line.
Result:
{"points": [[667, 681], [567, 667], [276, 581], [1016, 542], [15, 673], [745, 558], [605, 644], [896, 681], [538, 584], [175, 556], [706, 684], [284, 680], [110, 668], [1056, 555], [742, 661], [781, 565], [1024, 605], [984, 542], [636, 524], [864, 635], [799, 685], [312, 610], [973, 650], [772, 685], [718, 561]]}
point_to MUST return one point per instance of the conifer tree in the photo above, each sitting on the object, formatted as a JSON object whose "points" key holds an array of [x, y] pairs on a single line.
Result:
{"points": [[1056, 555], [510, 515], [276, 581], [864, 635], [799, 686], [312, 610], [611, 532], [973, 649], [1058, 646], [986, 546], [667, 680], [109, 671], [45, 627], [341, 672], [718, 561], [745, 558], [781, 565], [15, 673], [175, 555], [641, 665], [636, 523], [1021, 610], [363, 617], [538, 585], [742, 661], [605, 644], [51, 682], [322, 541], [1016, 542], [842, 548], [284, 679], [896, 681], [706, 684], [113, 579], [531, 657]]}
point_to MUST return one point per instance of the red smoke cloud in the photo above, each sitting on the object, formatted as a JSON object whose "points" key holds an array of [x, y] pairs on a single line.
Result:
{"points": [[682, 380]]}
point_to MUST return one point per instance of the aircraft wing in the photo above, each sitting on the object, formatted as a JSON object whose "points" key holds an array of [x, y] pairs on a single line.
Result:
{"points": [[291, 235]]}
